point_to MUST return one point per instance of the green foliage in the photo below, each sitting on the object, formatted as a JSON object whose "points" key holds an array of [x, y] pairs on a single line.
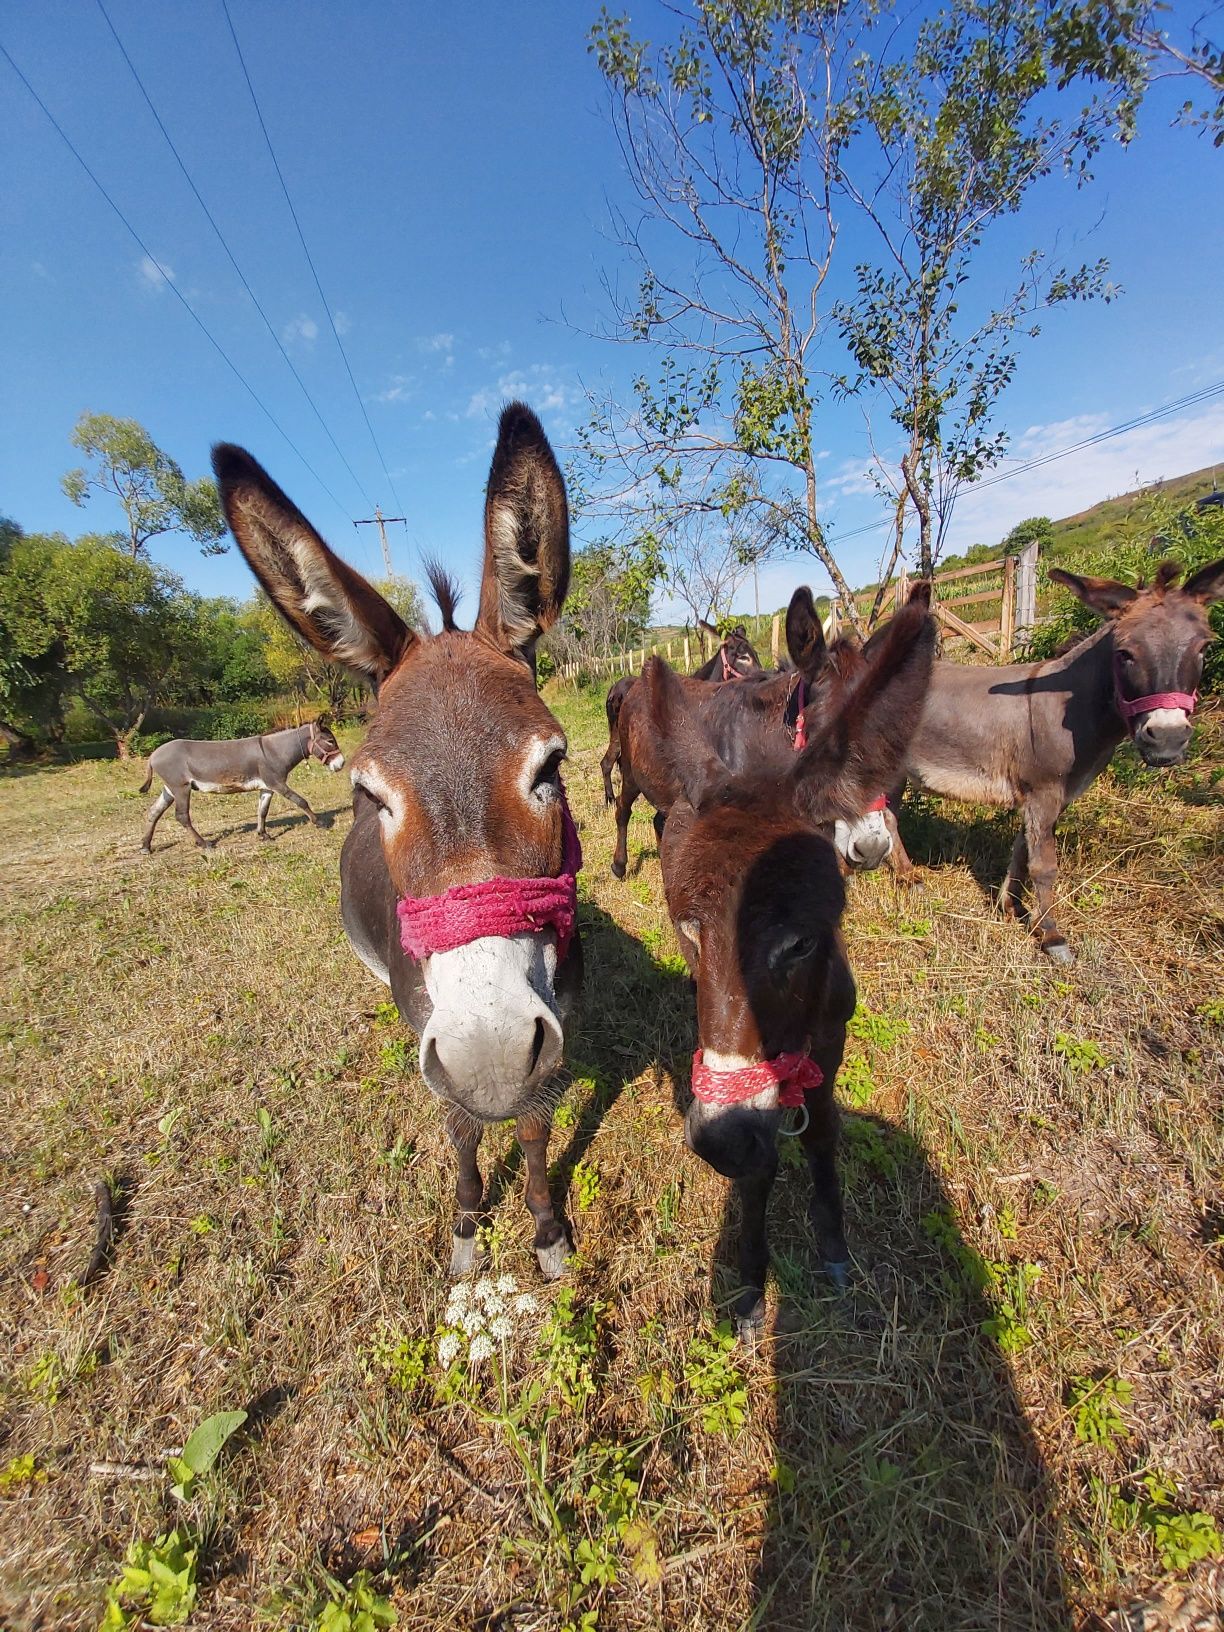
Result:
{"points": [[1095, 1409], [20, 1473], [1080, 1054], [402, 1360], [157, 1585], [856, 1080], [1181, 1537], [201, 1450], [125, 463], [587, 1184], [716, 1382], [874, 1028], [355, 1607], [569, 1346]]}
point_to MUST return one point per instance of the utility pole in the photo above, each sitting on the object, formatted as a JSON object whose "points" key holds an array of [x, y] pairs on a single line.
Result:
{"points": [[380, 521]]}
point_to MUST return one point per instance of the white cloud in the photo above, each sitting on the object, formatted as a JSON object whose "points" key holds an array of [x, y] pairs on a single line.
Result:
{"points": [[536, 385], [1170, 447], [850, 478], [435, 342], [399, 390], [154, 274], [343, 322], [301, 328], [498, 353]]}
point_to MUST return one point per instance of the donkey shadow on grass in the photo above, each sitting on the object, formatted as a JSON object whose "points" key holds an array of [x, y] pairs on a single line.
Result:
{"points": [[908, 1490], [633, 1015], [936, 838]]}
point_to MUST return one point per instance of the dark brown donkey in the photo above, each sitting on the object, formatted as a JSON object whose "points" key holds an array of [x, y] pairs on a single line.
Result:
{"points": [[756, 897], [735, 659], [458, 811], [238, 766], [1035, 735], [753, 723]]}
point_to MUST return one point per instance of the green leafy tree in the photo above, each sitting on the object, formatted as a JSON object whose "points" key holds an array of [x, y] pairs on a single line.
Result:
{"points": [[124, 463], [1037, 530], [608, 606], [33, 684]]}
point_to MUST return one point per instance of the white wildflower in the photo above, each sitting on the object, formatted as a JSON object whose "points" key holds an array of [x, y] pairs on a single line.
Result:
{"points": [[480, 1348], [505, 1285], [483, 1289], [494, 1304], [472, 1322], [524, 1304], [448, 1348], [457, 1302], [501, 1328]]}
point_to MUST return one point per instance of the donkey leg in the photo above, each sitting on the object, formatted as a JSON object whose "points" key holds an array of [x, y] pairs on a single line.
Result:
{"points": [[1039, 819], [261, 815], [753, 1253], [819, 1140], [624, 809], [182, 813], [611, 757], [552, 1246], [1012, 887], [295, 798], [465, 1134], [898, 856], [157, 810]]}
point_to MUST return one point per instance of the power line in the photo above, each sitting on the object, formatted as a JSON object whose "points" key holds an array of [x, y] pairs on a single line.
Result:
{"points": [[1149, 418], [171, 285], [242, 278], [305, 250]]}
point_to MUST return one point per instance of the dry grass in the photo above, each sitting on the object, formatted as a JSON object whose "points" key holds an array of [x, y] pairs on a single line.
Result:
{"points": [[907, 1454]]}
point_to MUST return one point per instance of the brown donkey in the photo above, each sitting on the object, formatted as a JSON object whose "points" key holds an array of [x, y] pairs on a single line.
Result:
{"points": [[756, 895], [734, 659], [457, 878], [764, 722], [1035, 735]]}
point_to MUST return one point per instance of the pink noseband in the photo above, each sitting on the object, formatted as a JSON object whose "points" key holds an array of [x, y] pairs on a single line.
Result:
{"points": [[497, 906], [793, 1074], [1129, 707]]}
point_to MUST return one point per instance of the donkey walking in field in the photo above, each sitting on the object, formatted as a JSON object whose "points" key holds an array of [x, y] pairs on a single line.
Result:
{"points": [[1036, 735], [239, 766], [765, 722], [756, 896], [734, 659], [458, 877]]}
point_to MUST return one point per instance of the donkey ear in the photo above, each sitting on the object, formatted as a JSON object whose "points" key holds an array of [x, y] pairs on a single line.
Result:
{"points": [[527, 554], [859, 753], [1103, 595], [697, 768], [805, 639], [319, 595], [1207, 584]]}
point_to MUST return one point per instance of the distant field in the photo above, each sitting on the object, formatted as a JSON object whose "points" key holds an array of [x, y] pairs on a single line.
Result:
{"points": [[1033, 1163]]}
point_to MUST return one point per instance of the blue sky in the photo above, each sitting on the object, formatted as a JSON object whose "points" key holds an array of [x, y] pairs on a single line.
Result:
{"points": [[452, 169]]}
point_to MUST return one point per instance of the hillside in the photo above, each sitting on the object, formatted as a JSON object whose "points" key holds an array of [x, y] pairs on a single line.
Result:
{"points": [[1091, 527]]}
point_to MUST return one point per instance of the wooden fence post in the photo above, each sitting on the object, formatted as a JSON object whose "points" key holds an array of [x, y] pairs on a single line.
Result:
{"points": [[775, 637], [1026, 593], [1007, 610], [687, 659], [834, 619]]}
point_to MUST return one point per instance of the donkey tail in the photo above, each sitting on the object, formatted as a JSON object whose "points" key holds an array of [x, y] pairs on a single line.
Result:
{"points": [[148, 781]]}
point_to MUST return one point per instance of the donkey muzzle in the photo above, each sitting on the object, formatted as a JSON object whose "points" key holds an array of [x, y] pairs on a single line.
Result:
{"points": [[494, 1036], [863, 843], [1162, 735]]}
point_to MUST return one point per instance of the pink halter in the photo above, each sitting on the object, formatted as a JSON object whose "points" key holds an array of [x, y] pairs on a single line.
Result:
{"points": [[498, 906], [1129, 707], [793, 1073], [730, 672]]}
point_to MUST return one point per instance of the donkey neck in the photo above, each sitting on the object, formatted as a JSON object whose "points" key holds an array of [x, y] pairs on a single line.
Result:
{"points": [[1088, 671]]}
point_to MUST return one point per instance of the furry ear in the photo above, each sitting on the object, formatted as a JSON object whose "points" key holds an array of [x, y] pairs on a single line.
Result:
{"points": [[1207, 584], [701, 774], [1103, 595], [527, 553], [319, 595], [858, 753], [805, 639]]}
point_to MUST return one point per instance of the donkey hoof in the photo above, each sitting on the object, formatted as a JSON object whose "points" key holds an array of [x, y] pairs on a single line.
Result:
{"points": [[552, 1260], [266, 837], [466, 1255], [750, 1324], [838, 1271], [1058, 952], [208, 844], [618, 869]]}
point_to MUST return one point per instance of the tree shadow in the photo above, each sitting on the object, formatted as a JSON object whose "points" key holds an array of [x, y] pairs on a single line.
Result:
{"points": [[908, 1490]]}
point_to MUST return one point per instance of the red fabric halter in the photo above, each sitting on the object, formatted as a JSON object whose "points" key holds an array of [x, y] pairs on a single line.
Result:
{"points": [[730, 672], [497, 906], [1129, 707], [877, 804], [793, 1073], [800, 723]]}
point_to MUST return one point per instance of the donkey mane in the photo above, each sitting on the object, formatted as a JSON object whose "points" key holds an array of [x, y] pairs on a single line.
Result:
{"points": [[445, 591]]}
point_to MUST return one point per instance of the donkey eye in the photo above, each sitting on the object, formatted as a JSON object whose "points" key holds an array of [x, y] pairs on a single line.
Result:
{"points": [[379, 804], [792, 950]]}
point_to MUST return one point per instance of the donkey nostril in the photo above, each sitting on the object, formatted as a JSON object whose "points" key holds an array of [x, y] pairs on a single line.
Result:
{"points": [[537, 1046]]}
